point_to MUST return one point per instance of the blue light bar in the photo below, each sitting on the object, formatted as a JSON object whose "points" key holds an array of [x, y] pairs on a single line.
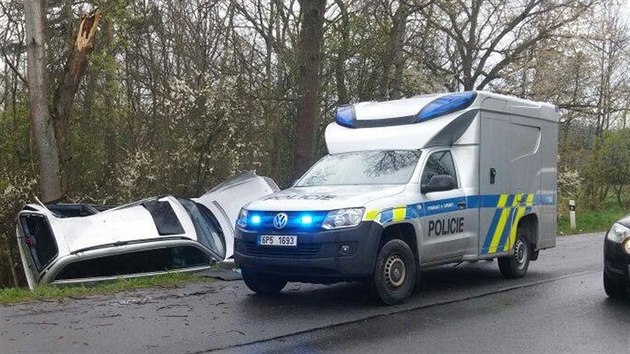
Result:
{"points": [[303, 220], [346, 116], [255, 219], [306, 220], [445, 105]]}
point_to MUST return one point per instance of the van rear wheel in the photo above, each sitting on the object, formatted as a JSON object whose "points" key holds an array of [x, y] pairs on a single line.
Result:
{"points": [[394, 275], [516, 264], [262, 283]]}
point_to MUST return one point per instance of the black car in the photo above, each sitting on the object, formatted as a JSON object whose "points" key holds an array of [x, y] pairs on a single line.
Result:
{"points": [[617, 259]]}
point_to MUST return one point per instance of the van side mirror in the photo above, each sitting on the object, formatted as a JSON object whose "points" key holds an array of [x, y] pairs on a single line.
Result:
{"points": [[438, 183]]}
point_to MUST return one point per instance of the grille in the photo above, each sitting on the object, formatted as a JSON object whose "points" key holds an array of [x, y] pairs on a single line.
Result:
{"points": [[294, 223], [304, 250]]}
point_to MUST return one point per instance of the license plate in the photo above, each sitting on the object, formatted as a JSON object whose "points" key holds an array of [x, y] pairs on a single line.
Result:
{"points": [[277, 240]]}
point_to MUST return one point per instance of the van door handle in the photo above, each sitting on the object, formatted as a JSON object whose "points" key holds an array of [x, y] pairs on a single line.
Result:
{"points": [[461, 204], [520, 198]]}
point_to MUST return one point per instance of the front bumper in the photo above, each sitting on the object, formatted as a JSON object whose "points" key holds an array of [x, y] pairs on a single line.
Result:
{"points": [[317, 258], [616, 262]]}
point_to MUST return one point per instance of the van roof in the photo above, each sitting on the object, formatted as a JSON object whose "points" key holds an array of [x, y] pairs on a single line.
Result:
{"points": [[414, 123]]}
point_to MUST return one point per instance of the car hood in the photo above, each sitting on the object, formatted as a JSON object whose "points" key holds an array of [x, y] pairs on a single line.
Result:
{"points": [[226, 200], [324, 197]]}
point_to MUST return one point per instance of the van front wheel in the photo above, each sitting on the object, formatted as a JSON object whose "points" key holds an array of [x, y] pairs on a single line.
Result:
{"points": [[614, 289], [394, 273], [261, 283], [515, 265]]}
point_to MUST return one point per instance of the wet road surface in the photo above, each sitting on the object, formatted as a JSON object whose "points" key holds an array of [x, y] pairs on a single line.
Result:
{"points": [[559, 307]]}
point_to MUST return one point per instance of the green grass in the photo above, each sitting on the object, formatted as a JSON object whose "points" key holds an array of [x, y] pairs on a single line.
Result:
{"points": [[591, 220], [50, 292]]}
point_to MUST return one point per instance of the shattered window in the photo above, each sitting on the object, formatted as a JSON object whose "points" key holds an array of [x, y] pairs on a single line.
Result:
{"points": [[138, 262], [207, 227], [39, 239]]}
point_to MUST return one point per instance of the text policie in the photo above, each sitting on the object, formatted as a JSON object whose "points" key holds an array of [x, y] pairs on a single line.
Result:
{"points": [[446, 226]]}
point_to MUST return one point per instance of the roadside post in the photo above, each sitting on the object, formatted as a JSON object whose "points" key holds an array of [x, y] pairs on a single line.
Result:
{"points": [[572, 213]]}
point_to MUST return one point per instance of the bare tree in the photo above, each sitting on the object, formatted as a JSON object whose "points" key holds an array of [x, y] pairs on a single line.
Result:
{"points": [[394, 55], [73, 73], [42, 125], [481, 38], [309, 61]]}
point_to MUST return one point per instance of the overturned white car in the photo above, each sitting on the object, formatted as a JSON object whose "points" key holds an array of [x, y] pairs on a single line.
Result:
{"points": [[77, 243]]}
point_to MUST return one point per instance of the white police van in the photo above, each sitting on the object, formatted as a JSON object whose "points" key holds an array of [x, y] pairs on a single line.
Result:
{"points": [[411, 184]]}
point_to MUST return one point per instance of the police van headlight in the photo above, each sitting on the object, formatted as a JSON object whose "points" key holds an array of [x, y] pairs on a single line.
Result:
{"points": [[620, 234], [242, 218], [341, 218]]}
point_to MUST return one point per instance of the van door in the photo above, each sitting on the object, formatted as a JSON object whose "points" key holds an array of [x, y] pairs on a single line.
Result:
{"points": [[446, 231], [494, 182], [526, 165]]}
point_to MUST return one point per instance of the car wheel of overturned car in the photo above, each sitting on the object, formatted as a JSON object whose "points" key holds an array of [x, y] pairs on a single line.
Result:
{"points": [[515, 265], [614, 289], [262, 283], [394, 273]]}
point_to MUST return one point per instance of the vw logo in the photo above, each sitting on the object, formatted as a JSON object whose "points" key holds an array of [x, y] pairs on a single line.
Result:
{"points": [[280, 220]]}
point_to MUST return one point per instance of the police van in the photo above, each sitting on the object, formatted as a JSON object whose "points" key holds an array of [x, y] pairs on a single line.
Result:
{"points": [[407, 185]]}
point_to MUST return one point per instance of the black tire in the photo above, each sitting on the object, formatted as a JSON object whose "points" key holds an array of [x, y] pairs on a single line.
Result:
{"points": [[262, 283], [394, 275], [515, 265], [614, 289]]}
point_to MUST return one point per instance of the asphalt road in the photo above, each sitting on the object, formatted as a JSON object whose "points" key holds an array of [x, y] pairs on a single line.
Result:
{"points": [[559, 307]]}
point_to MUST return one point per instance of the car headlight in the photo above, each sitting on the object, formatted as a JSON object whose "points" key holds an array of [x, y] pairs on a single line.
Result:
{"points": [[242, 218], [341, 218], [619, 233]]}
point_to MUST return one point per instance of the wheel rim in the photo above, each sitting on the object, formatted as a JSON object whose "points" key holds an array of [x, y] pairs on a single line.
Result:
{"points": [[520, 254], [395, 271]]}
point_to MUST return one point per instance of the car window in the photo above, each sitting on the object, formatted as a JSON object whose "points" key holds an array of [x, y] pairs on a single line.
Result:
{"points": [[439, 163], [209, 233], [164, 217], [138, 262], [39, 239]]}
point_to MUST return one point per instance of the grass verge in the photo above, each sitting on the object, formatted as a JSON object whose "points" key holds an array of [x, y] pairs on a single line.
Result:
{"points": [[591, 220], [50, 292]]}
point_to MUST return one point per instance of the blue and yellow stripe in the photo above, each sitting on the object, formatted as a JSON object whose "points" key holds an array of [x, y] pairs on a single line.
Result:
{"points": [[501, 235], [502, 232]]}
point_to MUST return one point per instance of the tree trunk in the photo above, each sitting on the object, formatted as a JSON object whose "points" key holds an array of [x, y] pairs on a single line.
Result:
{"points": [[43, 131], [12, 266], [398, 53], [73, 73], [110, 87], [309, 61], [342, 55], [394, 54]]}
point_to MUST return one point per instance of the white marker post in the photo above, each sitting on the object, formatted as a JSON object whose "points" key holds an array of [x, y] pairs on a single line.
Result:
{"points": [[572, 213]]}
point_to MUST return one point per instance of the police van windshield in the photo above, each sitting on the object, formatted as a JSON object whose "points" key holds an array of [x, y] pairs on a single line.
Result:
{"points": [[361, 168]]}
